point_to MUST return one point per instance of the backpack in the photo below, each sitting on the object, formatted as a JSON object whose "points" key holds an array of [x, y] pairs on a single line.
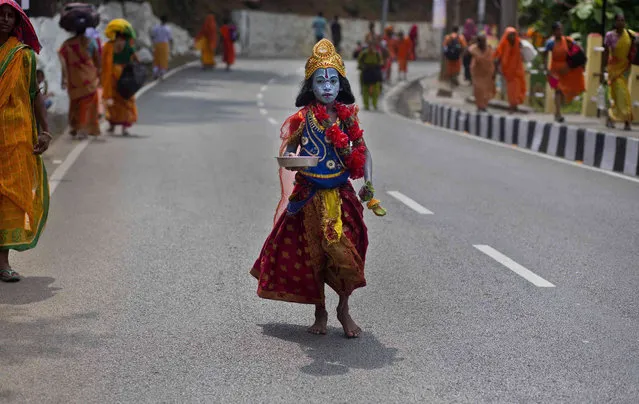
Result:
{"points": [[576, 55], [453, 49]]}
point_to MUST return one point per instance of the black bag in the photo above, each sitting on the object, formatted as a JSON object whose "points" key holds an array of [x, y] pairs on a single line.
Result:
{"points": [[132, 79], [576, 55], [453, 49], [79, 16]]}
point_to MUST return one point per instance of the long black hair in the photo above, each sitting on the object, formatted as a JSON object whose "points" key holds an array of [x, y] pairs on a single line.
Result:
{"points": [[306, 96]]}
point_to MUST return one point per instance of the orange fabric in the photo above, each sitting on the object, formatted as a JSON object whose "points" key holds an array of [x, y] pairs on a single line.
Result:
{"points": [[512, 67], [482, 70], [122, 111], [572, 82], [209, 31], [391, 45], [18, 165], [84, 114], [404, 53], [227, 42], [161, 55], [453, 67]]}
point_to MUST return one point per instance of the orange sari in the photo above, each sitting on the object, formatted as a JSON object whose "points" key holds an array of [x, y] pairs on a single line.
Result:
{"points": [[24, 188], [572, 82], [206, 41], [404, 53], [227, 42], [512, 67], [82, 85], [482, 70], [122, 112]]}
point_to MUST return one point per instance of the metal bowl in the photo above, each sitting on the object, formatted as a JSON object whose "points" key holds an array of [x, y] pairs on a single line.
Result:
{"points": [[297, 161]]}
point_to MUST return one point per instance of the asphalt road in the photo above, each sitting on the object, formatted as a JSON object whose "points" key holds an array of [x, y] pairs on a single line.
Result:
{"points": [[139, 290]]}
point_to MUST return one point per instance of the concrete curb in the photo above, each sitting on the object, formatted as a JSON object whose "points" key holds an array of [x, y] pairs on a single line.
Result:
{"points": [[601, 150], [597, 149]]}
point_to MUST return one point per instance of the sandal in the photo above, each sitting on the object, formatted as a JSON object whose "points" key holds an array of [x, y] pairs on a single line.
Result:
{"points": [[9, 275], [560, 119]]}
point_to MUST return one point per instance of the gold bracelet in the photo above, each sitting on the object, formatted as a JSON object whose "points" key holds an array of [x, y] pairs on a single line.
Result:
{"points": [[47, 134]]}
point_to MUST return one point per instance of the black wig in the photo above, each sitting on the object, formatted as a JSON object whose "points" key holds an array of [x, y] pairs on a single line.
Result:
{"points": [[306, 96]]}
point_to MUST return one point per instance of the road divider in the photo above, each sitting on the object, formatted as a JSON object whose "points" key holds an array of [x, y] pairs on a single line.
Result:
{"points": [[515, 267]]}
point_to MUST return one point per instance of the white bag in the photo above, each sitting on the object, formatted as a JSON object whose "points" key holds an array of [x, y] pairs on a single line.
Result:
{"points": [[528, 51]]}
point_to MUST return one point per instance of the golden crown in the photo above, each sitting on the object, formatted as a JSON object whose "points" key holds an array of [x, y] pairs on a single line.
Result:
{"points": [[324, 56]]}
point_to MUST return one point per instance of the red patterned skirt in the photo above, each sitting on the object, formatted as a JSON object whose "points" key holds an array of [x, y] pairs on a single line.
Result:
{"points": [[297, 260]]}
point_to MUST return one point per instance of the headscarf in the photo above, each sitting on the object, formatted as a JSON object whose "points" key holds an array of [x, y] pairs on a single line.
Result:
{"points": [[119, 26], [470, 29], [23, 30], [510, 55], [209, 30], [413, 32]]}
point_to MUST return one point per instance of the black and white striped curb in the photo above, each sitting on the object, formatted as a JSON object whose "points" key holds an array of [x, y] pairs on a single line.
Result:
{"points": [[597, 149]]}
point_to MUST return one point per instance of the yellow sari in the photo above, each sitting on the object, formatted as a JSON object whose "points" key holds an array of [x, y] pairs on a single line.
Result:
{"points": [[123, 111], [24, 189], [618, 72]]}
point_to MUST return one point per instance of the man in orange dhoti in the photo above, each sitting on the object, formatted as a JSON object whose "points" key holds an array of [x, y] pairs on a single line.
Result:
{"points": [[229, 36], [24, 189], [162, 38], [404, 54], [510, 62], [570, 82], [80, 58], [482, 71]]}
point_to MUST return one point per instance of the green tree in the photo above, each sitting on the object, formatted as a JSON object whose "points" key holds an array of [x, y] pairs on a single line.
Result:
{"points": [[578, 16]]}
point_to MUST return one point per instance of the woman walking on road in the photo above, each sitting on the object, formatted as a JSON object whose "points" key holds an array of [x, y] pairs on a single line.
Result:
{"points": [[24, 190], [80, 58], [206, 42], [569, 81], [509, 61], [228, 31], [117, 53], [482, 69], [618, 44]]}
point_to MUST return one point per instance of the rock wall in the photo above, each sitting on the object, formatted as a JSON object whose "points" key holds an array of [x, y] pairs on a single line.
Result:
{"points": [[264, 34], [140, 15]]}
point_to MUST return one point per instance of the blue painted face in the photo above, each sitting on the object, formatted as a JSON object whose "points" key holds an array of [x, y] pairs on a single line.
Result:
{"points": [[326, 85]]}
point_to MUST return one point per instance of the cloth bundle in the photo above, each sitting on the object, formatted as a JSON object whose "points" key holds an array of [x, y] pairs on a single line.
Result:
{"points": [[79, 16]]}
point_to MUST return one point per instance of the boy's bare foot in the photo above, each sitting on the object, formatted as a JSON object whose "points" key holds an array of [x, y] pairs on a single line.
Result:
{"points": [[320, 324], [351, 330]]}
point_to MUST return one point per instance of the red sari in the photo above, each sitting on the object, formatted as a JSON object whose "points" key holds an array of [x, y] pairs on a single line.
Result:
{"points": [[227, 42]]}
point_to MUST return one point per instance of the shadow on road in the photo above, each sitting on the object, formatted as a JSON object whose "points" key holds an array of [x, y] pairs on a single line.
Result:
{"points": [[333, 354], [28, 290], [45, 338]]}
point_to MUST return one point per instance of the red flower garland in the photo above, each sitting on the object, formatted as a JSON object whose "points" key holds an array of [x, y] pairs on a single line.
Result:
{"points": [[354, 155]]}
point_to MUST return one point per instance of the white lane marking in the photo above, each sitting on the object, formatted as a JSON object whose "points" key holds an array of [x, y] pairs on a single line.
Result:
{"points": [[272, 121], [264, 88], [499, 144], [515, 267], [260, 96], [260, 104], [56, 162], [263, 111], [63, 168], [61, 171], [410, 203]]}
